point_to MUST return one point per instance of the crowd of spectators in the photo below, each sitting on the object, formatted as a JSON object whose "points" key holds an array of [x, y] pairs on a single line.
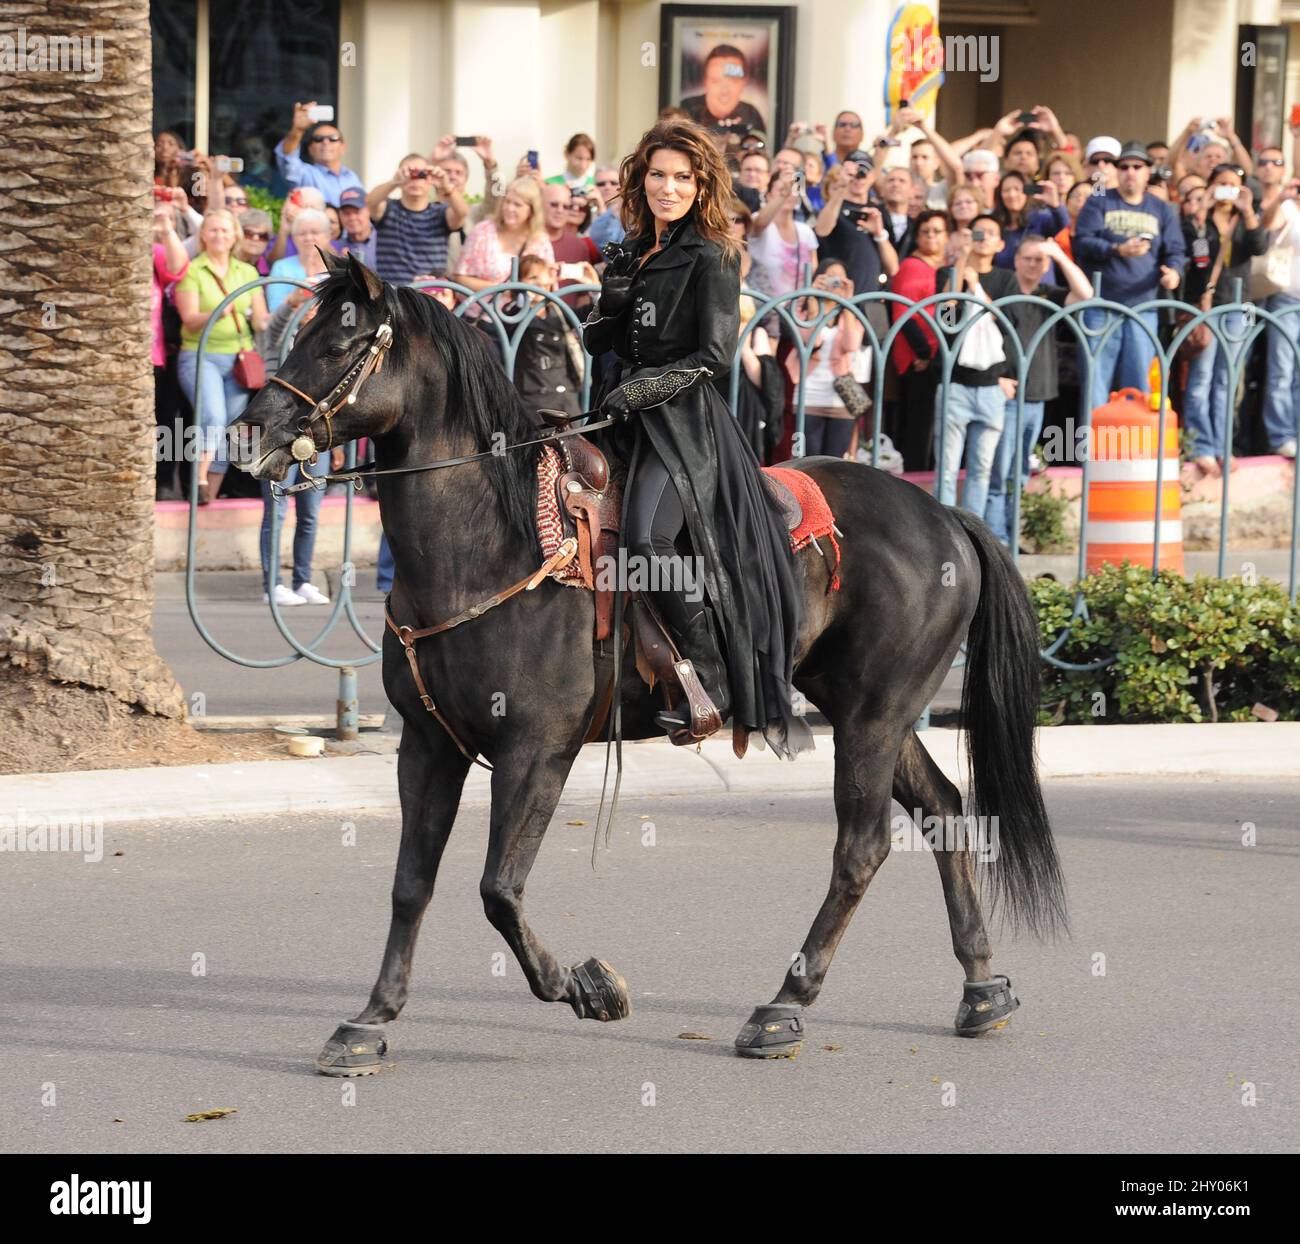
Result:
{"points": [[1023, 207]]}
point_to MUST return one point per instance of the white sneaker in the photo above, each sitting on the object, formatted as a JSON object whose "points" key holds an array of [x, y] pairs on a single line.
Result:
{"points": [[1286, 449], [312, 595], [284, 597]]}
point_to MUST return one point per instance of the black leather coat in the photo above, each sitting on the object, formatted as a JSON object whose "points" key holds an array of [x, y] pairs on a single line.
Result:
{"points": [[683, 312]]}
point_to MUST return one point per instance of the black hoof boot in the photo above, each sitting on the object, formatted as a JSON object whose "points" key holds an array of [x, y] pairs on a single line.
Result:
{"points": [[985, 1006], [772, 1031], [353, 1050], [599, 992]]}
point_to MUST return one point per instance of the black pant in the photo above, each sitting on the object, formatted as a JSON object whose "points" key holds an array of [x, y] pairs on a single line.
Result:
{"points": [[823, 435], [655, 520], [916, 443]]}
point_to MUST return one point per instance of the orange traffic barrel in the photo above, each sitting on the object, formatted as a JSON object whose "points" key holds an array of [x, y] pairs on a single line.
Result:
{"points": [[1122, 524]]}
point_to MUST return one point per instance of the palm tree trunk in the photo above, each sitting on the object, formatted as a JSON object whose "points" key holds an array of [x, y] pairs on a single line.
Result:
{"points": [[76, 390]]}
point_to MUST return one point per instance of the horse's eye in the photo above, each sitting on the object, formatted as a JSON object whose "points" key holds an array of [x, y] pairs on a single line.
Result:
{"points": [[336, 352]]}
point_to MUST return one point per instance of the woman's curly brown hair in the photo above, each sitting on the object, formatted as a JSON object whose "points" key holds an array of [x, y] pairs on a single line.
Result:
{"points": [[711, 210]]}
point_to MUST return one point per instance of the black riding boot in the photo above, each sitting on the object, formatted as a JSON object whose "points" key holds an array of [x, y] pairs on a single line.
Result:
{"points": [[697, 641]]}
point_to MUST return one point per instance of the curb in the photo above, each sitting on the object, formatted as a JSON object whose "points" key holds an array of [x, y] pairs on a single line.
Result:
{"points": [[354, 784]]}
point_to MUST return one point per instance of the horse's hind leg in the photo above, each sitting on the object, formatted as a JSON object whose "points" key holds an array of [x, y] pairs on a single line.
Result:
{"points": [[526, 786], [925, 792], [864, 764], [430, 776]]}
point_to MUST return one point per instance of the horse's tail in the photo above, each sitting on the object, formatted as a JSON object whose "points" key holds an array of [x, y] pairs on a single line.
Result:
{"points": [[999, 705]]}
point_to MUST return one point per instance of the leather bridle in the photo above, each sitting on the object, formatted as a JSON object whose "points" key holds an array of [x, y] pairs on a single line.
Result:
{"points": [[371, 363]]}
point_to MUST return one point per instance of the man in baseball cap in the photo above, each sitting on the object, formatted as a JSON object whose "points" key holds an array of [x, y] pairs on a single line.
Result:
{"points": [[358, 232]]}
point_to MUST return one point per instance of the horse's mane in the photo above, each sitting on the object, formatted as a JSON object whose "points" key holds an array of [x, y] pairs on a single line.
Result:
{"points": [[480, 397]]}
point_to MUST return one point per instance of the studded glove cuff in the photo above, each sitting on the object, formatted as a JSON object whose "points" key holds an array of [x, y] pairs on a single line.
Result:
{"points": [[644, 392]]}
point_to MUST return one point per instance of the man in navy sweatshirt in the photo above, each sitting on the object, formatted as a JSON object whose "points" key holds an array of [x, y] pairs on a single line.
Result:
{"points": [[1134, 241]]}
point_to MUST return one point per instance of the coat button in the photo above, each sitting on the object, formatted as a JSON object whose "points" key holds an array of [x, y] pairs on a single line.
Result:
{"points": [[559, 388]]}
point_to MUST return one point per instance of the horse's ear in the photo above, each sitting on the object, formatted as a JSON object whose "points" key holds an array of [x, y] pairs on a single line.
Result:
{"points": [[334, 262], [365, 279]]}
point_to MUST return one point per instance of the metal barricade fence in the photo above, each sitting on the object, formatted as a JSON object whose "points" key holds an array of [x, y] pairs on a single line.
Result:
{"points": [[509, 321]]}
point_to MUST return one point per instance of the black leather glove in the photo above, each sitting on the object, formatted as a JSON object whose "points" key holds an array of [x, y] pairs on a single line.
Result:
{"points": [[615, 296]]}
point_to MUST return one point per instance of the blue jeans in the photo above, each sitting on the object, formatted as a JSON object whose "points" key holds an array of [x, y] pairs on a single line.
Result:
{"points": [[1282, 388], [306, 511], [385, 568], [974, 422], [1124, 361], [224, 399], [1208, 407], [997, 511]]}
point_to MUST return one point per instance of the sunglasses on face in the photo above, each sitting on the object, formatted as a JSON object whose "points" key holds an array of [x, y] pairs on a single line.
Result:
{"points": [[607, 185], [1270, 160], [256, 236], [849, 125], [233, 202], [328, 138], [1102, 159], [1130, 168]]}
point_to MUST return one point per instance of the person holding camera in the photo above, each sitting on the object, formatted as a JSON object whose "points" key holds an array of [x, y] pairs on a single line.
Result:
{"points": [[1221, 240], [1135, 241], [311, 153], [837, 351], [413, 232], [784, 246], [852, 231], [1027, 207]]}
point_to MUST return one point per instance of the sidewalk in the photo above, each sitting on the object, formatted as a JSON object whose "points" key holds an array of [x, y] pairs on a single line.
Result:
{"points": [[353, 784]]}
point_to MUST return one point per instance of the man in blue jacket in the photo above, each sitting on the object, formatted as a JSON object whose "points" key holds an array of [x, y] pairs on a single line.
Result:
{"points": [[1135, 242]]}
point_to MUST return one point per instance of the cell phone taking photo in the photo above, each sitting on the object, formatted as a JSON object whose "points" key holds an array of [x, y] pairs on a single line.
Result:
{"points": [[465, 140], [320, 112]]}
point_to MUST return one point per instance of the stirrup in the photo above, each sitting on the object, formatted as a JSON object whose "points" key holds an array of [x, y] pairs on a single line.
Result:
{"points": [[695, 716]]}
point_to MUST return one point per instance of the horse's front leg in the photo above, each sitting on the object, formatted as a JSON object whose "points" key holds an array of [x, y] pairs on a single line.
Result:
{"points": [[526, 787], [430, 777]]}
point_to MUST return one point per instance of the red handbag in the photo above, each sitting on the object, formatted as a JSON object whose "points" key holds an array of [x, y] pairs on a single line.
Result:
{"points": [[249, 369]]}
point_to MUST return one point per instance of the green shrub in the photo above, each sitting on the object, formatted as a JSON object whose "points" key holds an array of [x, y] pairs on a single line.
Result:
{"points": [[1042, 521], [259, 196], [1200, 649]]}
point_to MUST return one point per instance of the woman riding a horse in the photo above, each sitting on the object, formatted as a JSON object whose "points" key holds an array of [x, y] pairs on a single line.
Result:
{"points": [[669, 308]]}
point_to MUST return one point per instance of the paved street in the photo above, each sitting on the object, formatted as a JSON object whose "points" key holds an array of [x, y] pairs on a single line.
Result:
{"points": [[1198, 934]]}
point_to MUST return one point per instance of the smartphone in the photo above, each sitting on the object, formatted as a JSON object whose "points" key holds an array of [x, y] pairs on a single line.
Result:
{"points": [[571, 272], [465, 140], [161, 194], [1145, 237], [532, 159], [295, 197], [420, 174], [320, 112], [229, 164], [889, 142], [1226, 194], [1026, 118], [904, 103], [977, 235], [1295, 115], [834, 282], [1039, 187]]}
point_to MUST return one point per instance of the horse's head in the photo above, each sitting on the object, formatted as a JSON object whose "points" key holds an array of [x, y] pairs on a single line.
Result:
{"points": [[333, 387]]}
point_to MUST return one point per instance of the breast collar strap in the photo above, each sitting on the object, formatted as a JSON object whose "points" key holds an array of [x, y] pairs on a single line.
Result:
{"points": [[304, 448]]}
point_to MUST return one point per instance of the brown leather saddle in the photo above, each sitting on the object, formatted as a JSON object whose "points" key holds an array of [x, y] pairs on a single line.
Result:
{"points": [[591, 510]]}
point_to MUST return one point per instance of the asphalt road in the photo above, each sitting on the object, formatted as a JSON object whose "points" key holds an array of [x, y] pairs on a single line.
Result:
{"points": [[1197, 930]]}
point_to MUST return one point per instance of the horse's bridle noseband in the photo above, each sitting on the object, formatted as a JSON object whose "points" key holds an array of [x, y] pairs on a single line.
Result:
{"points": [[304, 448]]}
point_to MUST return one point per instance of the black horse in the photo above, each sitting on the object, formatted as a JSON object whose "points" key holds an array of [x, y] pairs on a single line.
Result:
{"points": [[918, 578]]}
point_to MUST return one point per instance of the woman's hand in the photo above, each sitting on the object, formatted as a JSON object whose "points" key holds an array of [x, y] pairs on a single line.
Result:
{"points": [[615, 296]]}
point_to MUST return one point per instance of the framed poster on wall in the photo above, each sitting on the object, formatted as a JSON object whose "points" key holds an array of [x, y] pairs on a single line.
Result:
{"points": [[730, 68]]}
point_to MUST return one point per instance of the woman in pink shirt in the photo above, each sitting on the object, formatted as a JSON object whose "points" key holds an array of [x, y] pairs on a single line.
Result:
{"points": [[516, 229], [169, 265]]}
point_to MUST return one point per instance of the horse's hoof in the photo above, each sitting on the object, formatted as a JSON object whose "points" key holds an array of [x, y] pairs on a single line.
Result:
{"points": [[772, 1031], [985, 1006], [599, 992], [353, 1050]]}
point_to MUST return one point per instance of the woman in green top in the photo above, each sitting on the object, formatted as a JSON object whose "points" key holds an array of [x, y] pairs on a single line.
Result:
{"points": [[579, 157], [197, 296]]}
